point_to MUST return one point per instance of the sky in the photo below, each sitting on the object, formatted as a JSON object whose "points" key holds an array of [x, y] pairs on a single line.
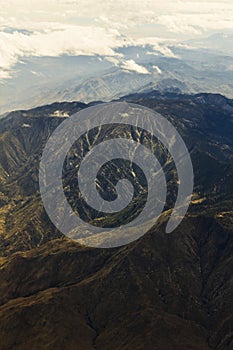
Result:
{"points": [[93, 27]]}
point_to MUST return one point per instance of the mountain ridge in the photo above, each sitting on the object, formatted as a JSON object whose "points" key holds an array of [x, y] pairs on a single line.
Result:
{"points": [[161, 292]]}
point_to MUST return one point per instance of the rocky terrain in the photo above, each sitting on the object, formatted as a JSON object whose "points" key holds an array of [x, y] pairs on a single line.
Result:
{"points": [[161, 292]]}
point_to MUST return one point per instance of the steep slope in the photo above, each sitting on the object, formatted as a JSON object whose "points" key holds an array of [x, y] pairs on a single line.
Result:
{"points": [[160, 292]]}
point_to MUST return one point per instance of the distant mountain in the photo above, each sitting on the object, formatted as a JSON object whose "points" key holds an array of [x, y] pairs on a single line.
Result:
{"points": [[221, 42], [198, 66], [160, 292], [166, 85]]}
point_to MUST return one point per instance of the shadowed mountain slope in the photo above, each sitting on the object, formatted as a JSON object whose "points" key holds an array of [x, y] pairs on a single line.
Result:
{"points": [[161, 292]]}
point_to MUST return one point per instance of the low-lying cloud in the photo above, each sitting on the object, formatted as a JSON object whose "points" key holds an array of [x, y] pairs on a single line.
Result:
{"points": [[131, 65]]}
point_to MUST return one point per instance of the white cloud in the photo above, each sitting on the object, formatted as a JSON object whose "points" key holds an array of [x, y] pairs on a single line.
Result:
{"points": [[165, 51], [157, 69], [112, 59], [55, 39], [198, 23], [4, 75], [72, 40], [123, 14], [133, 66], [38, 74], [160, 45], [102, 26]]}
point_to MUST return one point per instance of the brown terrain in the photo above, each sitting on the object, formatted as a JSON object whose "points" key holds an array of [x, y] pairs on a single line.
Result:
{"points": [[161, 292]]}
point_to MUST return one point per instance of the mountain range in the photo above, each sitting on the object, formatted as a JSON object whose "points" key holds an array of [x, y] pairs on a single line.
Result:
{"points": [[194, 66], [163, 291]]}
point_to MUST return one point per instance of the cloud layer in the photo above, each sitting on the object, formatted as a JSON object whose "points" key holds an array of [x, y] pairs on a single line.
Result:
{"points": [[70, 40], [92, 27]]}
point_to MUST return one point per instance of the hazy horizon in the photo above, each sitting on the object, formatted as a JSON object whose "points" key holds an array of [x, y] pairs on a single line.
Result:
{"points": [[49, 44]]}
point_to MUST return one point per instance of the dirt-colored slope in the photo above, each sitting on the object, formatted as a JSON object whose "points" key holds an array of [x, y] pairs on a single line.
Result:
{"points": [[162, 292]]}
